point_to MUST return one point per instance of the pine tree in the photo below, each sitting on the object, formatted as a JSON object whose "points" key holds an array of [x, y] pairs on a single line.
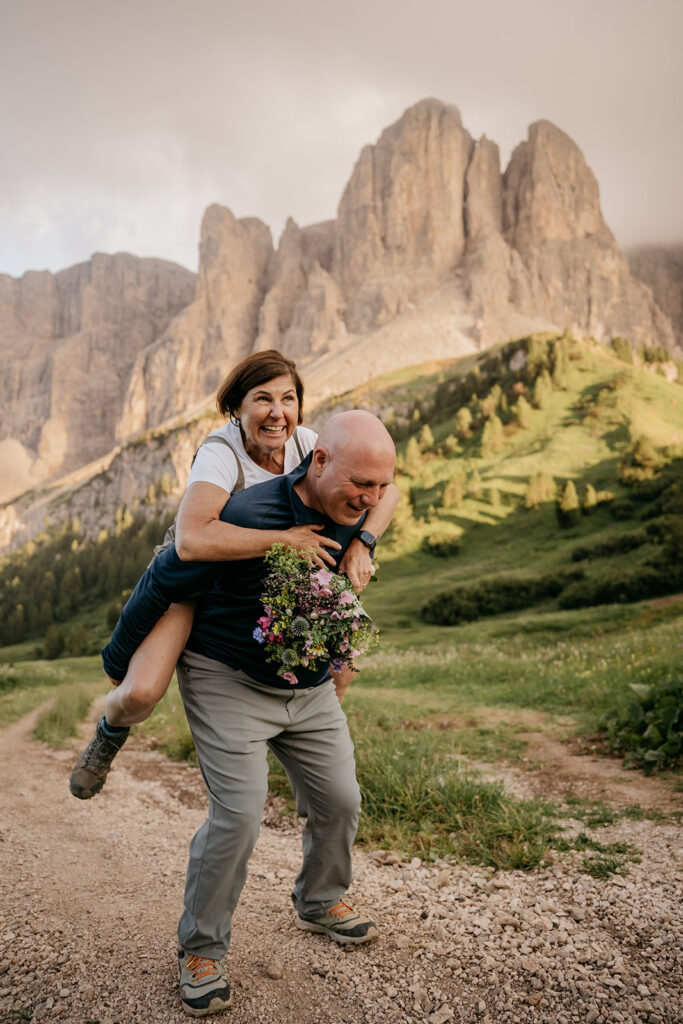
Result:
{"points": [[77, 641], [455, 488], [413, 458], [542, 390], [589, 501], [541, 487], [403, 521], [474, 485], [492, 437], [426, 439], [560, 363], [54, 642], [463, 421], [567, 505], [537, 358], [522, 411]]}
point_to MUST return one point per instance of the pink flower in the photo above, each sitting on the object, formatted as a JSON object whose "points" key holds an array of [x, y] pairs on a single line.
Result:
{"points": [[346, 597], [290, 677], [322, 576]]}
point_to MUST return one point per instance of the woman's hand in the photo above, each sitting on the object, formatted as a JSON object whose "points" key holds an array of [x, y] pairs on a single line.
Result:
{"points": [[307, 539], [114, 682], [357, 564]]}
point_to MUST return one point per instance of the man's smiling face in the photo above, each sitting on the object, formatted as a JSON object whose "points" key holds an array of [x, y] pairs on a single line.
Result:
{"points": [[348, 483]]}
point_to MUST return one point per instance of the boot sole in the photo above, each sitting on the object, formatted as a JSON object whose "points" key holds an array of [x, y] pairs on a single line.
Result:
{"points": [[340, 937], [215, 1006]]}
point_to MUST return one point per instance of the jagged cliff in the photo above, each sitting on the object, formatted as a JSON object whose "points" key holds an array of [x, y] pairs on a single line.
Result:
{"points": [[68, 342], [434, 253], [661, 268]]}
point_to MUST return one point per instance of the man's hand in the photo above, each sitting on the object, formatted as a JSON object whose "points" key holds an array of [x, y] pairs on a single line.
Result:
{"points": [[307, 539], [357, 564]]}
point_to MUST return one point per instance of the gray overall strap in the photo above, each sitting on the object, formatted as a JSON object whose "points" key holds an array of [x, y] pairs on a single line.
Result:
{"points": [[297, 442], [217, 439], [169, 537]]}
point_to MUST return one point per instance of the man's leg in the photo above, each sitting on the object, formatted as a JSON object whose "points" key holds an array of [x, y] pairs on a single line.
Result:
{"points": [[317, 753], [231, 723]]}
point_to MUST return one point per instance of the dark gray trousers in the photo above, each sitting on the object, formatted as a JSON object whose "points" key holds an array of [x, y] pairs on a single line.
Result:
{"points": [[233, 720]]}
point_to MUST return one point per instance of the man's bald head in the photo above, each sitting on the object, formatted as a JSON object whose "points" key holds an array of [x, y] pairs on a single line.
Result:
{"points": [[351, 467], [356, 431]]}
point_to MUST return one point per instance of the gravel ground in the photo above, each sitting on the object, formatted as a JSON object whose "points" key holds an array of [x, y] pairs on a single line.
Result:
{"points": [[90, 894]]}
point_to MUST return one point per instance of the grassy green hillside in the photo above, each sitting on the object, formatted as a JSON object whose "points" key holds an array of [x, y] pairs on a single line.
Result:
{"points": [[485, 433]]}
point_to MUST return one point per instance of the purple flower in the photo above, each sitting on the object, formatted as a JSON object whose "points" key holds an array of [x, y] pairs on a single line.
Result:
{"points": [[259, 635]]}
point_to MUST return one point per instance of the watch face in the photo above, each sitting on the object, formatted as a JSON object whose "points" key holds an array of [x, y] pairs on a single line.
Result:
{"points": [[367, 538]]}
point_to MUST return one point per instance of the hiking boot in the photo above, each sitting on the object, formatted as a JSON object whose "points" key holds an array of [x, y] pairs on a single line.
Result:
{"points": [[203, 988], [341, 923], [91, 769]]}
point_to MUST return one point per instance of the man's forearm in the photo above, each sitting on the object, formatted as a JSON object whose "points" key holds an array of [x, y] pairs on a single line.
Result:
{"points": [[379, 517]]}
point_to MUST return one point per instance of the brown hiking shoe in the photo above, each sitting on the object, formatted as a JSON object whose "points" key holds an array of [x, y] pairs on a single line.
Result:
{"points": [[90, 771], [341, 923]]}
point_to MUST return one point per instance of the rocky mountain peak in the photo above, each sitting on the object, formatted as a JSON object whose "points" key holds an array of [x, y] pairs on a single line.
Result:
{"points": [[549, 191], [400, 224]]}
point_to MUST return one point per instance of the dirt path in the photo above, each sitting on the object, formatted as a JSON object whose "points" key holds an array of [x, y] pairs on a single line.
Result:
{"points": [[90, 894]]}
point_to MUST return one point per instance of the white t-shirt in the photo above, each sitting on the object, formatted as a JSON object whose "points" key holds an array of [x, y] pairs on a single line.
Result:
{"points": [[215, 463]]}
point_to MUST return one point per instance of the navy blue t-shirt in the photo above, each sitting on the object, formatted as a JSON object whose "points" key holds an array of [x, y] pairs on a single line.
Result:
{"points": [[229, 592]]}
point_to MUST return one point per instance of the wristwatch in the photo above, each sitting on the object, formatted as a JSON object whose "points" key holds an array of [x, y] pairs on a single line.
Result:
{"points": [[367, 538]]}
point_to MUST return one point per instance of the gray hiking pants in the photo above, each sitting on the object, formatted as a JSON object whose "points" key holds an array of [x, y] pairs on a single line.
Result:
{"points": [[233, 720]]}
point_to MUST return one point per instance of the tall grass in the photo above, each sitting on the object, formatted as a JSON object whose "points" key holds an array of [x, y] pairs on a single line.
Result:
{"points": [[59, 723]]}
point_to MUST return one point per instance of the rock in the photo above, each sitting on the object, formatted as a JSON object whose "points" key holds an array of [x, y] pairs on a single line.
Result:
{"points": [[275, 969], [441, 1015], [578, 913], [386, 857], [661, 269], [400, 225], [189, 360], [68, 343]]}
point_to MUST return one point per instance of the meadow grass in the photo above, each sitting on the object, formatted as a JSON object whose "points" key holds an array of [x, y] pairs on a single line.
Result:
{"points": [[26, 685], [59, 723]]}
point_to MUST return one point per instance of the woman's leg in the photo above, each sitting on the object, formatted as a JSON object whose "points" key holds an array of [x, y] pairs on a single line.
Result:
{"points": [[151, 668], [133, 700]]}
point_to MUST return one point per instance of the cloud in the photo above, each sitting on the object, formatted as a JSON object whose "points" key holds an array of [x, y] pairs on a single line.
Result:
{"points": [[122, 122]]}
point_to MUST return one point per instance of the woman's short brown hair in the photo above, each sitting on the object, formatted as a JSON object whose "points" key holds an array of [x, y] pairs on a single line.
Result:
{"points": [[254, 370]]}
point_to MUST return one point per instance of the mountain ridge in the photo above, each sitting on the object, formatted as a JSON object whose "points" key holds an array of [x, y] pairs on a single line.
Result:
{"points": [[434, 253]]}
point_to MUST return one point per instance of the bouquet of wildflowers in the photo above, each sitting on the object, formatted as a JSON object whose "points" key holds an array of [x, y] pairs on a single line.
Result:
{"points": [[310, 616]]}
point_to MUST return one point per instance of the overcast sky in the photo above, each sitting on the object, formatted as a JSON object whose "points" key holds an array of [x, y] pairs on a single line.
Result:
{"points": [[121, 120]]}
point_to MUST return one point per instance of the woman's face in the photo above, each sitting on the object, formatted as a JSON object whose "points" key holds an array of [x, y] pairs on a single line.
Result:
{"points": [[268, 414]]}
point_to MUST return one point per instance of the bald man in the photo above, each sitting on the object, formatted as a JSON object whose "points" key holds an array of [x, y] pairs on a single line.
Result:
{"points": [[237, 707]]}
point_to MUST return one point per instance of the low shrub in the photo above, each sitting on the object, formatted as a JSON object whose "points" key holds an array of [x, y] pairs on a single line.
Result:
{"points": [[622, 587], [622, 508], [617, 543], [443, 541], [493, 597], [648, 728]]}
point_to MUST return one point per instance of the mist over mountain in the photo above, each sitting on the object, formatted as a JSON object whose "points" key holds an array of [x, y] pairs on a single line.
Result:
{"points": [[435, 253]]}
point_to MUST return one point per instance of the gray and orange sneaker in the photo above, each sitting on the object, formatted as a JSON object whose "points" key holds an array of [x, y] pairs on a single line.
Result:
{"points": [[203, 987], [91, 769], [341, 923]]}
